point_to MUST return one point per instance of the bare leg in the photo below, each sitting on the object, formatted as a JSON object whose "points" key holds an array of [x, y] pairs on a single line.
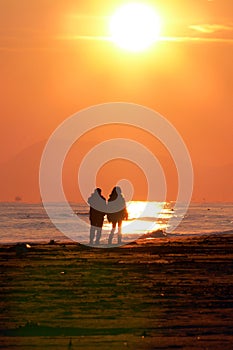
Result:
{"points": [[98, 235], [112, 233], [119, 233], [92, 234]]}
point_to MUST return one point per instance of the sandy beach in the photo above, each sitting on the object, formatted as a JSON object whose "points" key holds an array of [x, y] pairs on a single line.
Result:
{"points": [[164, 294]]}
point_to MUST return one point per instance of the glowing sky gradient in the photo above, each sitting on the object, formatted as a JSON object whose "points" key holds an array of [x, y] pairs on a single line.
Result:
{"points": [[56, 58]]}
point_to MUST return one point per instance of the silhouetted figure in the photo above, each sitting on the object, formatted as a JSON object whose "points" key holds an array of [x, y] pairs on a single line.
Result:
{"points": [[97, 212], [116, 212]]}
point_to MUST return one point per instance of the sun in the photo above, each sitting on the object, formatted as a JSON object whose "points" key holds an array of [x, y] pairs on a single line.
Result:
{"points": [[135, 27]]}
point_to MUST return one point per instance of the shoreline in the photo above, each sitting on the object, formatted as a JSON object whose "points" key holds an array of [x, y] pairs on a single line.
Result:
{"points": [[154, 238], [172, 293]]}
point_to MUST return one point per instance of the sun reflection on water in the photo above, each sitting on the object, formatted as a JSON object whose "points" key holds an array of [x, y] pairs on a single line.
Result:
{"points": [[145, 217]]}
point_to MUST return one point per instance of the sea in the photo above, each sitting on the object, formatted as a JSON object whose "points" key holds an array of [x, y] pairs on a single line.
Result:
{"points": [[30, 223]]}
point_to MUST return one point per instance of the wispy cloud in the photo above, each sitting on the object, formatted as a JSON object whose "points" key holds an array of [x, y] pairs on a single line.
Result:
{"points": [[162, 38], [208, 33], [26, 48], [205, 33], [197, 39], [211, 28], [84, 37], [89, 17]]}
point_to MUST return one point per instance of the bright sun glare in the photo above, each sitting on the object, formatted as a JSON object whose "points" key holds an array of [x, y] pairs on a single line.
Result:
{"points": [[135, 27]]}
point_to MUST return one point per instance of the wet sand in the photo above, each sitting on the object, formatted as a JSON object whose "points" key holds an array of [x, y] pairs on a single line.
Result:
{"points": [[166, 294]]}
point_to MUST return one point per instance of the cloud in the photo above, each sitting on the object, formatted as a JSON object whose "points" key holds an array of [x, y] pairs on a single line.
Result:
{"points": [[206, 33], [84, 37], [25, 48], [162, 38], [211, 28], [197, 39]]}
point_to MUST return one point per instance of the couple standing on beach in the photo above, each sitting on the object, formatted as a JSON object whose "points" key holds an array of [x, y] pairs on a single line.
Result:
{"points": [[116, 212]]}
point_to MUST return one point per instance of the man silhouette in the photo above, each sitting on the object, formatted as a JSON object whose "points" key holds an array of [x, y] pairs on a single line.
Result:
{"points": [[96, 215]]}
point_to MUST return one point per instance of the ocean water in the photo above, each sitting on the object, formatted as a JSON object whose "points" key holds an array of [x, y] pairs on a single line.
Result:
{"points": [[23, 222]]}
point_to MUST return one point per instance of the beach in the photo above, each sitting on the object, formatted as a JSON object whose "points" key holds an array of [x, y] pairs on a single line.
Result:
{"points": [[162, 293]]}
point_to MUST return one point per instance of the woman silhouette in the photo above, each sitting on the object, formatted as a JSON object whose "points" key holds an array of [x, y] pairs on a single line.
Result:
{"points": [[116, 212]]}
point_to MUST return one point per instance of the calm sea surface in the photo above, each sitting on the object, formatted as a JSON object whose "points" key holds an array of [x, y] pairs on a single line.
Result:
{"points": [[22, 222]]}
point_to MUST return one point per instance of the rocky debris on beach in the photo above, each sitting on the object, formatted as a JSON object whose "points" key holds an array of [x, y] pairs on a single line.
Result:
{"points": [[154, 234]]}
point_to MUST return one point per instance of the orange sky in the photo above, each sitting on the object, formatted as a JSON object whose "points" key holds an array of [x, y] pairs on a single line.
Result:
{"points": [[49, 72]]}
